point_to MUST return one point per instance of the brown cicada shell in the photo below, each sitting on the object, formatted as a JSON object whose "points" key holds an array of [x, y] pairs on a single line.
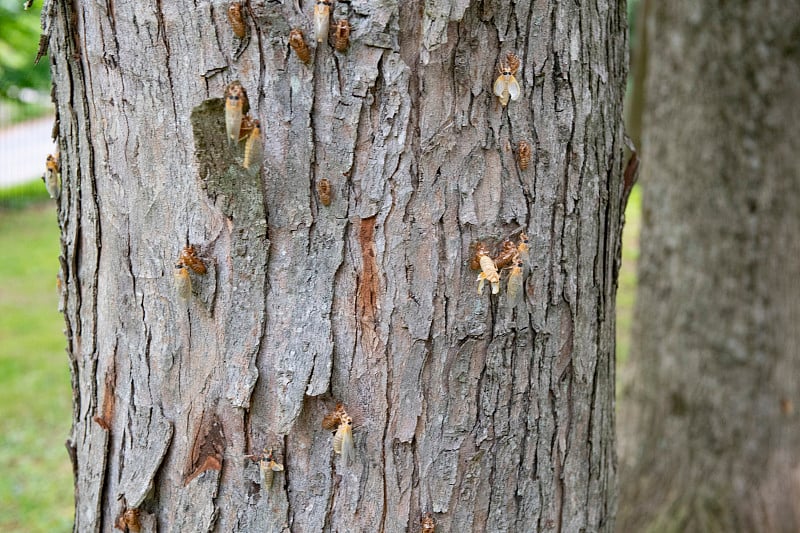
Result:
{"points": [[189, 258], [298, 44], [480, 249], [341, 35], [324, 191], [236, 18], [513, 62], [506, 256], [428, 524], [334, 418], [523, 155]]}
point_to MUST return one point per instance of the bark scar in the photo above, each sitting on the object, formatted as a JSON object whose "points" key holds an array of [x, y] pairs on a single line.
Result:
{"points": [[367, 297], [109, 397], [208, 448]]}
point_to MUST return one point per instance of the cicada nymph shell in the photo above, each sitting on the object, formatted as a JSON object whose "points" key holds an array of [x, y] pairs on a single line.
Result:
{"points": [[324, 191], [428, 524], [298, 44], [523, 155], [332, 420], [506, 256], [513, 62], [341, 35], [236, 19], [188, 257]]}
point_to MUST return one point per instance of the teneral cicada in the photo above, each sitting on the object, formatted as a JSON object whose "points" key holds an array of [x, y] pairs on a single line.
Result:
{"points": [[236, 106], [267, 467], [506, 85], [322, 17]]}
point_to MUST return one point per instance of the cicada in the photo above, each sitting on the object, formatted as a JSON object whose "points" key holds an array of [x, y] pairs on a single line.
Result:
{"points": [[324, 191], [236, 18], [506, 85], [428, 524], [236, 106], [267, 466], [298, 44], [52, 176], [343, 440], [506, 256], [488, 273], [514, 285], [341, 35], [253, 149], [322, 17], [523, 155]]}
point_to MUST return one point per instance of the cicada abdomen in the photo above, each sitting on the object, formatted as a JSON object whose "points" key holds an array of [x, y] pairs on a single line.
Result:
{"points": [[253, 149]]}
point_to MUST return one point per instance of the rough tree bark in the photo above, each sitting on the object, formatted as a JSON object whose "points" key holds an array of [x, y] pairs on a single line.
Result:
{"points": [[710, 438], [490, 418]]}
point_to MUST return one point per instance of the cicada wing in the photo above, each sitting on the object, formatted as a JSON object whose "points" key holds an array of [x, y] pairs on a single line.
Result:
{"points": [[253, 150], [513, 88], [347, 446], [51, 180], [321, 21], [500, 86], [233, 121], [183, 283], [514, 288], [337, 439]]}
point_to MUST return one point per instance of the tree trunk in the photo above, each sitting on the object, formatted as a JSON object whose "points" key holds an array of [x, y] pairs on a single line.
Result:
{"points": [[491, 418], [711, 438]]}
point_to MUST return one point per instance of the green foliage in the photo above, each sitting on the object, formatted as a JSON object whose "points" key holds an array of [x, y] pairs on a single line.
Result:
{"points": [[36, 485], [626, 292], [23, 195], [19, 43]]}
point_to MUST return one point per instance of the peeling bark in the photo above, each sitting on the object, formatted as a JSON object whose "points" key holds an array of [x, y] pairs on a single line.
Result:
{"points": [[490, 417]]}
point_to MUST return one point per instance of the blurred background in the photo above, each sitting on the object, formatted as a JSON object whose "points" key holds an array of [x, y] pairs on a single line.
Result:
{"points": [[35, 396], [36, 491]]}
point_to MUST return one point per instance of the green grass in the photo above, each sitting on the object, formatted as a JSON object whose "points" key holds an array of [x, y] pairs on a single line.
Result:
{"points": [[36, 493], [626, 293], [24, 194]]}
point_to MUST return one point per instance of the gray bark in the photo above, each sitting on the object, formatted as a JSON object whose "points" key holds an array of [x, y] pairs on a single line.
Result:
{"points": [[709, 433], [491, 418]]}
